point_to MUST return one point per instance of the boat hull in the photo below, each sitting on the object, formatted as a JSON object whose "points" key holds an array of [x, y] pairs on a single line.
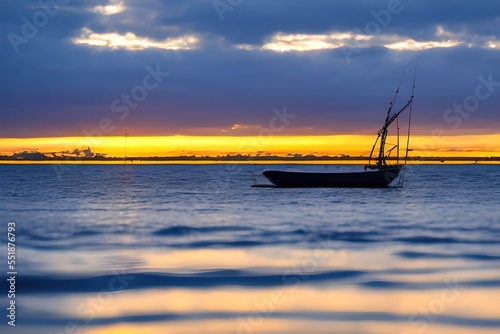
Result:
{"points": [[367, 179]]}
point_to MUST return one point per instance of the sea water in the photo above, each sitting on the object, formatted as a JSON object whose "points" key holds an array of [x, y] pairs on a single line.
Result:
{"points": [[196, 249]]}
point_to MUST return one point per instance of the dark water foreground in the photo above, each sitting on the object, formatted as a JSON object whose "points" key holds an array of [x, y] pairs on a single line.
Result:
{"points": [[194, 249]]}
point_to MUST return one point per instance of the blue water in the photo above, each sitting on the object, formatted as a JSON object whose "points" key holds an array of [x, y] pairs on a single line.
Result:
{"points": [[195, 249]]}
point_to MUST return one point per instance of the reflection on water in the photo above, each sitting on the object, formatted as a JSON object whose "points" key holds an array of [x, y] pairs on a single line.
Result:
{"points": [[173, 249], [336, 299]]}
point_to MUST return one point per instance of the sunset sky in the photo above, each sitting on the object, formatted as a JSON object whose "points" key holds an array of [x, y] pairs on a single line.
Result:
{"points": [[218, 77]]}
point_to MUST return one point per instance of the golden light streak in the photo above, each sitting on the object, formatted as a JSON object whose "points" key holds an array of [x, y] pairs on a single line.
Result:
{"points": [[354, 145], [327, 299], [271, 325]]}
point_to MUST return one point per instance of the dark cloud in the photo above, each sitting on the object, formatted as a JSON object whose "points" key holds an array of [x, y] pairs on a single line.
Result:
{"points": [[54, 87]]}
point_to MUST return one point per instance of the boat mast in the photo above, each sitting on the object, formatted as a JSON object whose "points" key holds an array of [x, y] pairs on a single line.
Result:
{"points": [[384, 131], [382, 134]]}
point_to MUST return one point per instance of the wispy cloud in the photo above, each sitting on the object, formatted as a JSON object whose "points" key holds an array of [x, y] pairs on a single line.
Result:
{"points": [[130, 41], [411, 44], [282, 42], [111, 9]]}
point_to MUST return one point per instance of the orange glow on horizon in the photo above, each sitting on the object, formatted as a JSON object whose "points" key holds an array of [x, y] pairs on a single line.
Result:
{"points": [[354, 145]]}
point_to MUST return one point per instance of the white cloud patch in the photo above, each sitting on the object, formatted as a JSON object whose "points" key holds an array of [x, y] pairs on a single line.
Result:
{"points": [[471, 41], [491, 43], [130, 41], [111, 9], [411, 44], [282, 42], [441, 32]]}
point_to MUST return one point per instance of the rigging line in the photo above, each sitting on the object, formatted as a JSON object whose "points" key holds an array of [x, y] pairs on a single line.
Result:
{"points": [[401, 179], [400, 83], [399, 86], [373, 149], [415, 72], [411, 105], [397, 124], [388, 120], [408, 135]]}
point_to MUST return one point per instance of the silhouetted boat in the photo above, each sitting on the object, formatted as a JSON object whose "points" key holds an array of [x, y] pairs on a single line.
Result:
{"points": [[376, 175], [366, 179]]}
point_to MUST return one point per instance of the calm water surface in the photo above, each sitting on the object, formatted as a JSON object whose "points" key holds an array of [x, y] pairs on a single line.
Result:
{"points": [[195, 249]]}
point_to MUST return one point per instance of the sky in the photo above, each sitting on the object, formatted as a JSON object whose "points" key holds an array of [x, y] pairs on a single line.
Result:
{"points": [[233, 68]]}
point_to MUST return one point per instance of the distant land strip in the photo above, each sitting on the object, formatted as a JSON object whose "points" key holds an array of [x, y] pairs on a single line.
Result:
{"points": [[246, 158]]}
